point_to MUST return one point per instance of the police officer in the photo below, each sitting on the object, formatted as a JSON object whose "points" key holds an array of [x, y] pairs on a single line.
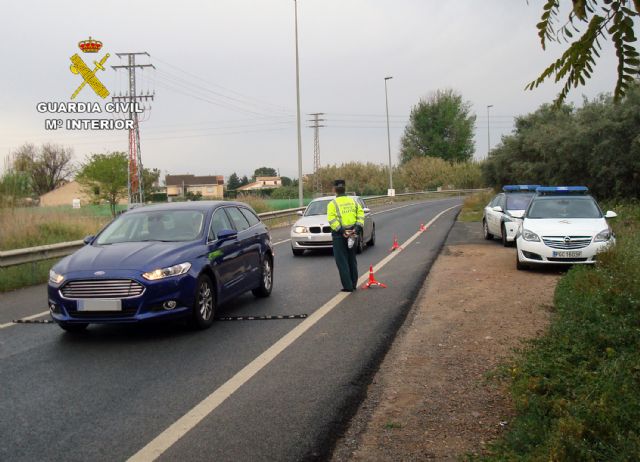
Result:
{"points": [[346, 219]]}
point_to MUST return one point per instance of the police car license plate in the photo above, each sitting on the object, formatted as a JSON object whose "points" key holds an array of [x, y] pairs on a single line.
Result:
{"points": [[567, 253]]}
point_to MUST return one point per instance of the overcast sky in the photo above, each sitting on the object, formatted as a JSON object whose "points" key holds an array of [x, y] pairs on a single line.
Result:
{"points": [[225, 79]]}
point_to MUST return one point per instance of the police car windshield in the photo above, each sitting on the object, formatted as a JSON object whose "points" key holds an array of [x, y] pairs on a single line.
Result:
{"points": [[317, 208], [564, 207], [165, 226], [518, 201]]}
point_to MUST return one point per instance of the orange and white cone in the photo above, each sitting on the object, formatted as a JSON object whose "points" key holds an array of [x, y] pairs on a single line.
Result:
{"points": [[395, 245], [372, 280]]}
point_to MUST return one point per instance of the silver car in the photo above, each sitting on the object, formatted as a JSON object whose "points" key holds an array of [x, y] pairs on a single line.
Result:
{"points": [[312, 230]]}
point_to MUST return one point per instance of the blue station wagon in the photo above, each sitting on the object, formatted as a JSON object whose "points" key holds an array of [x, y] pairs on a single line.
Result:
{"points": [[170, 261]]}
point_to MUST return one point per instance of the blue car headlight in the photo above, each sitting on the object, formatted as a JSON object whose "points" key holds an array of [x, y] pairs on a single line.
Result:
{"points": [[55, 278], [161, 273]]}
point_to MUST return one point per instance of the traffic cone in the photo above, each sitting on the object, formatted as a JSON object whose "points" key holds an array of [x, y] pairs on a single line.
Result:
{"points": [[395, 245], [372, 280], [423, 228]]}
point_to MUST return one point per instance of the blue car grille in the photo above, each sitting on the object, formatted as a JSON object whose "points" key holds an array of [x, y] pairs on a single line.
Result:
{"points": [[102, 288], [566, 242]]}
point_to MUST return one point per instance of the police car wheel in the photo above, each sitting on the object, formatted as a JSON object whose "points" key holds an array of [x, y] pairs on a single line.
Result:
{"points": [[485, 231], [519, 265]]}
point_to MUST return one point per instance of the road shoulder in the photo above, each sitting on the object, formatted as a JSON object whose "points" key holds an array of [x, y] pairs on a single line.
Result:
{"points": [[431, 397]]}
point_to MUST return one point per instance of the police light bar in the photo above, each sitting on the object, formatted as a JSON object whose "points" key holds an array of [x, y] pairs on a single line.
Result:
{"points": [[561, 190], [520, 187]]}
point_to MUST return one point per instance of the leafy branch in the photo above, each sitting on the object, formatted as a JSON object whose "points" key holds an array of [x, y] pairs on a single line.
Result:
{"points": [[604, 18]]}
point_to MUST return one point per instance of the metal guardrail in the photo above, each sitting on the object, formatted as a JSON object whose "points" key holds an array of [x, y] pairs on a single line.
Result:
{"points": [[45, 252]]}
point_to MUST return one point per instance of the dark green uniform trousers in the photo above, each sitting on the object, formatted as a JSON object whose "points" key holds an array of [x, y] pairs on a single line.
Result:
{"points": [[346, 262]]}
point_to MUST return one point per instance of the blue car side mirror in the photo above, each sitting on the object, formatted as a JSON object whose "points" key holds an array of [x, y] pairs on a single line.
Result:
{"points": [[226, 234], [88, 240]]}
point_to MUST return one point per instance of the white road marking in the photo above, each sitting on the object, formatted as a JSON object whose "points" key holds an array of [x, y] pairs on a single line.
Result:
{"points": [[28, 318], [156, 447], [280, 242]]}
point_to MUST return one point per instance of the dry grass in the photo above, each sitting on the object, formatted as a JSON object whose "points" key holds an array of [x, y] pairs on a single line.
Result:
{"points": [[29, 227], [258, 204], [474, 204]]}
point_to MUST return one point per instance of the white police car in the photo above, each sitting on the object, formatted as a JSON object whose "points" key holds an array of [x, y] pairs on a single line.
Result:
{"points": [[563, 224], [498, 216]]}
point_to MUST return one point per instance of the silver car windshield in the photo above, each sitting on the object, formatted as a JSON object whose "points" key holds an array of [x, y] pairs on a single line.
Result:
{"points": [[163, 226], [564, 207], [317, 208]]}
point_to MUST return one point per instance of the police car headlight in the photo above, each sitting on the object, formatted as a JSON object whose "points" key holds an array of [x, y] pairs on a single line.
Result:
{"points": [[530, 236], [161, 273], [55, 277], [603, 236], [300, 230]]}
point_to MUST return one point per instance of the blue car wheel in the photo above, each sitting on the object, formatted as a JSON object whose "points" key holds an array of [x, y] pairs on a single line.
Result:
{"points": [[204, 306]]}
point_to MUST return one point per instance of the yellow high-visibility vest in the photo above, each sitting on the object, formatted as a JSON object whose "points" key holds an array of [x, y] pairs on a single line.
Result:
{"points": [[344, 211]]}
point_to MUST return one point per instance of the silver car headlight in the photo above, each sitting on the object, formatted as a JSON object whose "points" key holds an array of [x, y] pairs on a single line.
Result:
{"points": [[603, 236], [161, 273], [300, 230], [530, 236], [55, 277]]}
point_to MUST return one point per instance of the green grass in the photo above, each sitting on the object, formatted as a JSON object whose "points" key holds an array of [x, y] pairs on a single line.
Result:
{"points": [[474, 205], [577, 389], [28, 274]]}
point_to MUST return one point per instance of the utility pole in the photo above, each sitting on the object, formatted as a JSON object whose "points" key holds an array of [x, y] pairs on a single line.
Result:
{"points": [[134, 178], [489, 129], [300, 186], [386, 101], [317, 184]]}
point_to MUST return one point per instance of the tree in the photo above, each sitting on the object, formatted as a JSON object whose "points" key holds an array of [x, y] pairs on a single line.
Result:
{"points": [[13, 187], [105, 176], [264, 171], [610, 18], [244, 181], [149, 180], [234, 182], [48, 166], [440, 126], [596, 145], [286, 181]]}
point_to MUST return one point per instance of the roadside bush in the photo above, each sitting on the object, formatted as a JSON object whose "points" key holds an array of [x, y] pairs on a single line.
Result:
{"points": [[258, 203], [576, 388], [285, 192]]}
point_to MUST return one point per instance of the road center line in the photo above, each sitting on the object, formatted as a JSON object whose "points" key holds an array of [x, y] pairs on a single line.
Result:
{"points": [[156, 447]]}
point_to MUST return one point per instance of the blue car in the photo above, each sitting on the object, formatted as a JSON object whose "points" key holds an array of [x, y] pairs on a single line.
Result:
{"points": [[170, 261]]}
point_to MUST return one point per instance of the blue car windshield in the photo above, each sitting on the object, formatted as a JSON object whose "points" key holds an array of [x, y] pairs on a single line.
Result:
{"points": [[317, 208], [161, 225], [564, 207], [518, 201]]}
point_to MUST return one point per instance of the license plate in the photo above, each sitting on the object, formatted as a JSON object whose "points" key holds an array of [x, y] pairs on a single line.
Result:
{"points": [[96, 304], [567, 253]]}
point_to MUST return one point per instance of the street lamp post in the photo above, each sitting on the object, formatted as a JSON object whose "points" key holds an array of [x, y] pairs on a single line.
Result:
{"points": [[489, 129], [300, 186], [386, 100]]}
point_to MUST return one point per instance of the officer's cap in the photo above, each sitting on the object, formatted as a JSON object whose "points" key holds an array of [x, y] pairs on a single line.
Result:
{"points": [[339, 183]]}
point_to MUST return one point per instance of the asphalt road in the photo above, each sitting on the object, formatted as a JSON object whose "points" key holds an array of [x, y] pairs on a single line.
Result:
{"points": [[240, 391]]}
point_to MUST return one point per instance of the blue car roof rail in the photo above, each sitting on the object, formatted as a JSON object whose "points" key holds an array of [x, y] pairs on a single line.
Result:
{"points": [[561, 190], [520, 187]]}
